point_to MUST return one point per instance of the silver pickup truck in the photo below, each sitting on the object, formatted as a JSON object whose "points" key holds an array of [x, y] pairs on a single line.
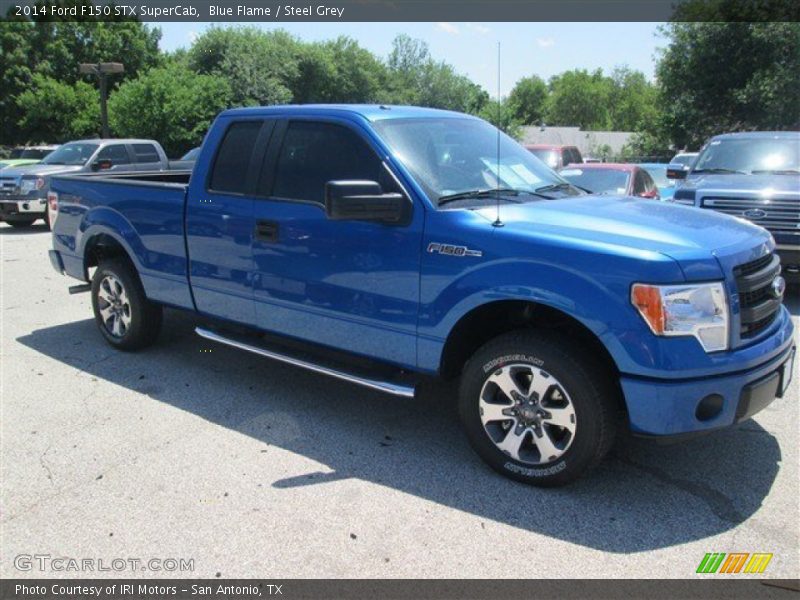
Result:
{"points": [[23, 190]]}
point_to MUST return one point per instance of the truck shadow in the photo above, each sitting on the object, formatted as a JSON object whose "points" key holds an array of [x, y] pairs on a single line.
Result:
{"points": [[643, 497], [37, 227]]}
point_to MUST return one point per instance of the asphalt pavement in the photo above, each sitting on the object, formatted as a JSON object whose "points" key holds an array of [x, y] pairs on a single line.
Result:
{"points": [[242, 467]]}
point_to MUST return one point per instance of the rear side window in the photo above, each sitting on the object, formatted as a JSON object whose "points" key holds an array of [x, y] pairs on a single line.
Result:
{"points": [[233, 158], [312, 154], [116, 153], [145, 153]]}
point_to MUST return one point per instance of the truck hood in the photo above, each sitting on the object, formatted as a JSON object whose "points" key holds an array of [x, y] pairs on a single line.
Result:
{"points": [[744, 183], [40, 170], [625, 225]]}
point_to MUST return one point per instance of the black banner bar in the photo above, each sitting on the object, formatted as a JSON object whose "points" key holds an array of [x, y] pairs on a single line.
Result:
{"points": [[729, 587], [278, 11]]}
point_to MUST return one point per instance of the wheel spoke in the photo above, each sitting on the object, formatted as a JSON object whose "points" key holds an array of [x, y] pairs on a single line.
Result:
{"points": [[561, 417], [539, 385], [494, 412], [507, 384], [104, 292], [545, 445], [116, 326], [512, 442], [106, 313]]}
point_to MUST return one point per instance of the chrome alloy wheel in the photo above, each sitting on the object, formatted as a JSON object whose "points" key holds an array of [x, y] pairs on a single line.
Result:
{"points": [[527, 413], [114, 306]]}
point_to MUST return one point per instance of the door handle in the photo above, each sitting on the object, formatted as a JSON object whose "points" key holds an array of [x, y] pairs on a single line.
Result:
{"points": [[267, 231]]}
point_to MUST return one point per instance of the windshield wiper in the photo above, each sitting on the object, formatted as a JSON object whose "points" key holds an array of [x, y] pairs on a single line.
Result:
{"points": [[718, 170], [53, 163], [560, 186], [481, 193], [776, 171]]}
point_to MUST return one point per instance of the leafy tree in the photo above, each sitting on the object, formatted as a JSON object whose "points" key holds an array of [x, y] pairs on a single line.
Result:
{"points": [[718, 77], [339, 71], [170, 104], [54, 48], [502, 115], [528, 98], [54, 111], [631, 100], [579, 98], [416, 78], [259, 66]]}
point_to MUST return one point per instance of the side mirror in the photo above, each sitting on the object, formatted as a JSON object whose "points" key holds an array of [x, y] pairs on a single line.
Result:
{"points": [[102, 164], [651, 195], [677, 171], [363, 201]]}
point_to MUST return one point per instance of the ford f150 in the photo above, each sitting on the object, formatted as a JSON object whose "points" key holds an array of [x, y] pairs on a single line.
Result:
{"points": [[382, 245], [753, 175]]}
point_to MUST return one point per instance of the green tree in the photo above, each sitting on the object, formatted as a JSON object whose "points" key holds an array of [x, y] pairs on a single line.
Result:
{"points": [[528, 98], [631, 101], [579, 98], [502, 115], [260, 66], [717, 77], [53, 48], [170, 104], [339, 71], [58, 112]]}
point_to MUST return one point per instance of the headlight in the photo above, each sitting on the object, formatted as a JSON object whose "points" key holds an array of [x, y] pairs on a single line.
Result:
{"points": [[30, 184], [698, 310]]}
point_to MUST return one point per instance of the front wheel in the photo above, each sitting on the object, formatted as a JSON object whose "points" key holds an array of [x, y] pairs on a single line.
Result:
{"points": [[536, 409], [124, 315]]}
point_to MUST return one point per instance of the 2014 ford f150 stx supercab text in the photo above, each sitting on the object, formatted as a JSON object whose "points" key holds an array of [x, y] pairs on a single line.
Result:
{"points": [[382, 245]]}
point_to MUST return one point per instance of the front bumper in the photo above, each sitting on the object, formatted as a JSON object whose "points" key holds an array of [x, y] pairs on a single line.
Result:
{"points": [[680, 408], [27, 206]]}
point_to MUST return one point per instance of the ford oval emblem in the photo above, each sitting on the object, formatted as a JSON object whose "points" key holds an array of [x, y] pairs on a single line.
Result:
{"points": [[755, 213], [778, 286]]}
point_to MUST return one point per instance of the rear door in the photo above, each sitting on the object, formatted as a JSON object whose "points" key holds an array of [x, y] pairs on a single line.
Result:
{"points": [[146, 157], [220, 222], [117, 154], [352, 285]]}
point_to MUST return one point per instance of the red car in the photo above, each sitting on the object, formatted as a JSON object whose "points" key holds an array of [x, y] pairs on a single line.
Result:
{"points": [[612, 178], [555, 157]]}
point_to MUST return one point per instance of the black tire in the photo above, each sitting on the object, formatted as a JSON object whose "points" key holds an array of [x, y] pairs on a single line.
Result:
{"points": [[143, 317], [46, 219], [590, 394], [20, 222]]}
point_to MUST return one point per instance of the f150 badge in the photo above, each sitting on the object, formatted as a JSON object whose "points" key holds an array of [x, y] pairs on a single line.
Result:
{"points": [[450, 250]]}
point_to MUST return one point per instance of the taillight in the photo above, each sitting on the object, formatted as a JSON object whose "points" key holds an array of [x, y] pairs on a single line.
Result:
{"points": [[52, 201]]}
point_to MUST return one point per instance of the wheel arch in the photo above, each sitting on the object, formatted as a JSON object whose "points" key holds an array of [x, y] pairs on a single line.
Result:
{"points": [[495, 318]]}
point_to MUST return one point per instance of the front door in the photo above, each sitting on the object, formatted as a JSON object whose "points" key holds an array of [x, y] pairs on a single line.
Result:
{"points": [[353, 285]]}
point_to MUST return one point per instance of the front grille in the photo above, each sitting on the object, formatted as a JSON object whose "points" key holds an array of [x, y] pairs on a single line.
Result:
{"points": [[758, 305], [8, 185], [780, 215]]}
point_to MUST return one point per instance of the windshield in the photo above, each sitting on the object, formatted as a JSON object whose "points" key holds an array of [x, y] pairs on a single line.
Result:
{"points": [[750, 156], [659, 175], [598, 181], [683, 159], [76, 153], [191, 154], [451, 155], [548, 157], [34, 153]]}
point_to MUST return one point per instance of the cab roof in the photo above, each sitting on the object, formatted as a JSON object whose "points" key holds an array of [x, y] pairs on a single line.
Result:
{"points": [[371, 112], [759, 135]]}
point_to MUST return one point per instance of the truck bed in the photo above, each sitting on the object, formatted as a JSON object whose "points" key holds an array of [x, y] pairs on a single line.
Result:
{"points": [[142, 211]]}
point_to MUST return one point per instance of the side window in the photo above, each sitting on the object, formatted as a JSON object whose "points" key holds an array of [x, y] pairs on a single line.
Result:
{"points": [[312, 154], [639, 184], [229, 173], [576, 156], [145, 153], [649, 184], [116, 153]]}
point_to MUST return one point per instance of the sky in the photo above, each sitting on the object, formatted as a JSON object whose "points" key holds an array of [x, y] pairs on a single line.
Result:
{"points": [[542, 49]]}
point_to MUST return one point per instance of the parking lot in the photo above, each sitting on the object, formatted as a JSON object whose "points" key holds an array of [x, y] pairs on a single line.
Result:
{"points": [[196, 451]]}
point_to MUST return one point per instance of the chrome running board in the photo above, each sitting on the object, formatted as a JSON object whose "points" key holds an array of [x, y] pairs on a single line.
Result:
{"points": [[396, 389]]}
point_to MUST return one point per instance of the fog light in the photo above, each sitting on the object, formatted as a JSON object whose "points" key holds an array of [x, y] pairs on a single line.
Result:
{"points": [[709, 407]]}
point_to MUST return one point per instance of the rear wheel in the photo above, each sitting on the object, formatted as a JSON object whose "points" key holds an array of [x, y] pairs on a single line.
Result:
{"points": [[536, 409], [124, 315]]}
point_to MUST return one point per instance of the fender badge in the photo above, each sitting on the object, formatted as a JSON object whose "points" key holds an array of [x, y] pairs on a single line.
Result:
{"points": [[450, 250]]}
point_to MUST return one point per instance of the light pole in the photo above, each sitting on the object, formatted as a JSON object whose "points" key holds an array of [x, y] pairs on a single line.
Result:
{"points": [[102, 71]]}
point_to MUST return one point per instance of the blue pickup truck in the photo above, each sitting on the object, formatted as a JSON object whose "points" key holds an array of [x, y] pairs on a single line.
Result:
{"points": [[384, 245]]}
